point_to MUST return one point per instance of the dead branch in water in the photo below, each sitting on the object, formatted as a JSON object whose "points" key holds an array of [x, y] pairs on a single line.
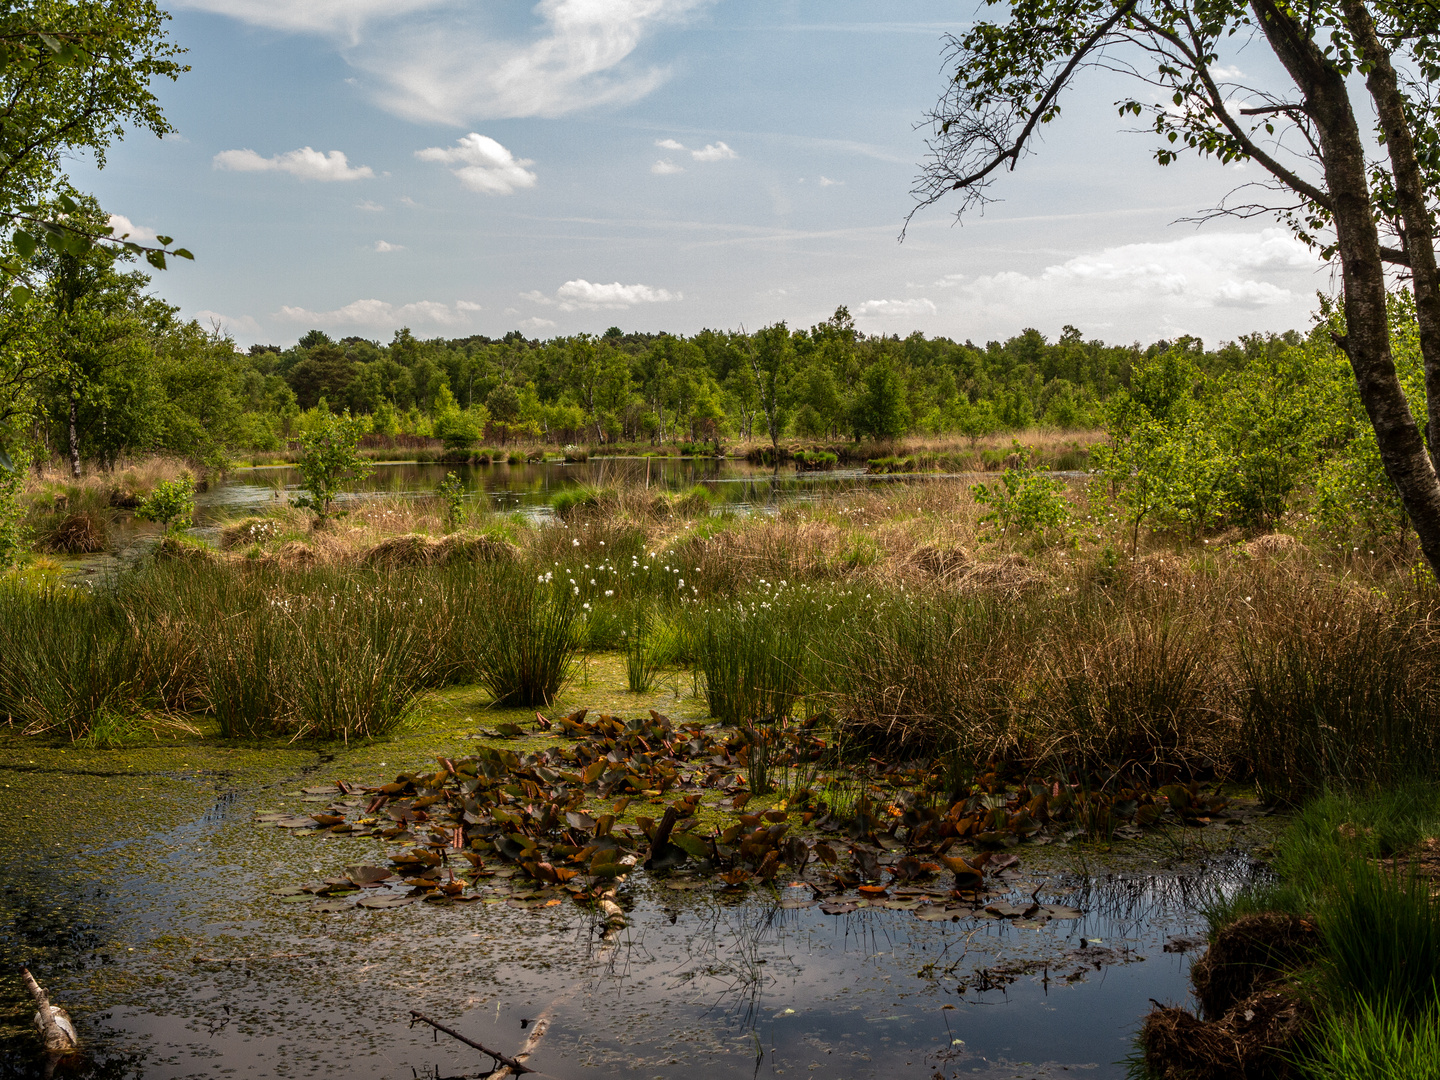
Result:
{"points": [[515, 1066], [52, 1022]]}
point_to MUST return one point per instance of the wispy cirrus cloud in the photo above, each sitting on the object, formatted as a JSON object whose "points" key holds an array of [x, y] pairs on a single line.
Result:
{"points": [[483, 165], [305, 163]]}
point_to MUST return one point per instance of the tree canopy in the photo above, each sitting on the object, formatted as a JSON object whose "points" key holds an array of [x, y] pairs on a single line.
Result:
{"points": [[1351, 66]]}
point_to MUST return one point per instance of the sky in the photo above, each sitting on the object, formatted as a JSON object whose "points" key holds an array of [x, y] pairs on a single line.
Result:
{"points": [[478, 166]]}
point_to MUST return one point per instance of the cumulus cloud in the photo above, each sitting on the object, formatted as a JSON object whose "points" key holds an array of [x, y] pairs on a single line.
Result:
{"points": [[141, 234], [717, 151], [669, 144], [896, 309], [243, 328], [825, 181], [1159, 289], [383, 246], [382, 315], [582, 295], [483, 165], [368, 206], [305, 163], [666, 167]]}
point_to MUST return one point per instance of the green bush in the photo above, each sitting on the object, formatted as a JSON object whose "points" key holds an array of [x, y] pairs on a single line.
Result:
{"points": [[329, 459], [171, 504], [1025, 503]]}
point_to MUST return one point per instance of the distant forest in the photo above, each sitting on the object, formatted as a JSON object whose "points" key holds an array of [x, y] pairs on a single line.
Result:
{"points": [[141, 380]]}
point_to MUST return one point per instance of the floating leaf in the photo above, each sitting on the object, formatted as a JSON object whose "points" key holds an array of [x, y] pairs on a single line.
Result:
{"points": [[385, 900]]}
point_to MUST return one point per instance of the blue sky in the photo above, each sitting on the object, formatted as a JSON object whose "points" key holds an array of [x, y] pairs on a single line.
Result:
{"points": [[483, 166]]}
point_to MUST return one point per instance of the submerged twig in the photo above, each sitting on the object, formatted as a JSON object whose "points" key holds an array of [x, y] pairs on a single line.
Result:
{"points": [[515, 1066], [53, 1023]]}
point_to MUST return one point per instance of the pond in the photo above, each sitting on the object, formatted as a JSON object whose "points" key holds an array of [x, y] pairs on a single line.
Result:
{"points": [[144, 888], [528, 488]]}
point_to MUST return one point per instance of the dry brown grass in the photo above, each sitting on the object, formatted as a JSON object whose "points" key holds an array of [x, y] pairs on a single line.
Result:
{"points": [[132, 476]]}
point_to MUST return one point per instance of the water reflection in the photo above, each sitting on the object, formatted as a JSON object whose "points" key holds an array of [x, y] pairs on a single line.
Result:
{"points": [[528, 488]]}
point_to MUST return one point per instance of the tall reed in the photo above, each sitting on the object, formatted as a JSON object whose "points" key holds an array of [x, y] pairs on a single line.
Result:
{"points": [[66, 660], [522, 640]]}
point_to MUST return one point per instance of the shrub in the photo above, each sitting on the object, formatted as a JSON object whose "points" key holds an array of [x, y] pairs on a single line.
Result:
{"points": [[329, 458], [171, 504], [452, 498], [1026, 502]]}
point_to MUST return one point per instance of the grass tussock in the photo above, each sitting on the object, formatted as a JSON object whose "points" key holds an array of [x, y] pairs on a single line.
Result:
{"points": [[79, 532]]}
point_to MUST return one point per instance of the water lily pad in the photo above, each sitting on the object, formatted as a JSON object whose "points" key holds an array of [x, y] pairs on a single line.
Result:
{"points": [[331, 906], [296, 821], [385, 900], [936, 913], [1060, 911], [839, 908]]}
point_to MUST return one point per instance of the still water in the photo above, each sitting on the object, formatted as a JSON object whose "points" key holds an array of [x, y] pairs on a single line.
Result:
{"points": [[145, 893], [528, 488]]}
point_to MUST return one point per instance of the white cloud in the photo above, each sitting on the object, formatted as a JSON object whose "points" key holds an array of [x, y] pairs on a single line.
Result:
{"points": [[141, 234], [371, 207], [1250, 294], [457, 69], [825, 181], [582, 295], [305, 163], [666, 167], [1159, 289], [896, 309], [536, 323], [383, 246], [669, 144], [338, 18], [716, 151], [382, 315], [484, 165], [239, 327]]}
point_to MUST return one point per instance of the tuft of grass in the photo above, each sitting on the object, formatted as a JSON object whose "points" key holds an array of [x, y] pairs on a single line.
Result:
{"points": [[523, 637], [753, 659], [1374, 1042], [66, 660], [1381, 932], [640, 665], [80, 532], [1337, 691]]}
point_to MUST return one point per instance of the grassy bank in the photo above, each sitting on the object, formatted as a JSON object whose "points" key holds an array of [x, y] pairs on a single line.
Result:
{"points": [[916, 625], [1329, 969]]}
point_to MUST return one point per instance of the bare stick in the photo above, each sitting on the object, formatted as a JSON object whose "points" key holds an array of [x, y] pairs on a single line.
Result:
{"points": [[516, 1067], [53, 1022]]}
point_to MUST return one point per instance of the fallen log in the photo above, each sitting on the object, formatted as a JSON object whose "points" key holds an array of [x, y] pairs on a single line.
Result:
{"points": [[53, 1023]]}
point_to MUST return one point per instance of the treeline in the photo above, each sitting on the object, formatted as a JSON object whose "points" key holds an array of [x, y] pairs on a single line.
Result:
{"points": [[126, 375]]}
